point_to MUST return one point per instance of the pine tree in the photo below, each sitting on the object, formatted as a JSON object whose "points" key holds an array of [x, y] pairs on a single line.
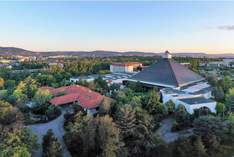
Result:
{"points": [[218, 93], [107, 137], [230, 100], [51, 147], [126, 121], [154, 106], [199, 148], [170, 106], [153, 102], [182, 148], [92, 137], [144, 136]]}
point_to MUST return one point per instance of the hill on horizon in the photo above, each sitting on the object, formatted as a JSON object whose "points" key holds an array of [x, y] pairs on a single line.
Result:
{"points": [[102, 53]]}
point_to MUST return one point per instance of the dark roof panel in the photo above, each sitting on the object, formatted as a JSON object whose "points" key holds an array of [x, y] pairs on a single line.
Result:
{"points": [[184, 75], [168, 72], [196, 100]]}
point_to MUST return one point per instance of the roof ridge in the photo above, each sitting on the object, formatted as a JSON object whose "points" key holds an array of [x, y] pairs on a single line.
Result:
{"points": [[173, 72]]}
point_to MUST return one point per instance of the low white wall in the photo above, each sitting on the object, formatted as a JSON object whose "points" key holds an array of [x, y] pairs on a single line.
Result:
{"points": [[189, 108]]}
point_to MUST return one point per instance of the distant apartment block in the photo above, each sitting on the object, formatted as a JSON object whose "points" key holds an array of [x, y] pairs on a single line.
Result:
{"points": [[223, 63], [128, 67]]}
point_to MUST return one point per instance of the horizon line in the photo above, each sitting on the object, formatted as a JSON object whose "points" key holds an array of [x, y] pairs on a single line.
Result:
{"points": [[118, 51]]}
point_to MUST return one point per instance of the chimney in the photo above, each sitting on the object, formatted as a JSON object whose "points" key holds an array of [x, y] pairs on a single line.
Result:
{"points": [[167, 55]]}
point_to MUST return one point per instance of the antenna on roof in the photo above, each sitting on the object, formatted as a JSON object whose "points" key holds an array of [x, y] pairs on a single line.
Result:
{"points": [[167, 55]]}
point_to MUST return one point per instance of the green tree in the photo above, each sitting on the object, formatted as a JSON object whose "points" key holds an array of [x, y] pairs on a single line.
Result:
{"points": [[199, 149], [121, 98], [42, 96], [19, 143], [30, 87], [170, 106], [51, 146], [213, 80], [52, 112], [107, 137], [231, 127], [226, 83], [3, 94], [1, 83], [154, 106], [220, 109], [24, 91], [192, 146], [194, 65], [211, 130], [230, 100], [105, 106], [114, 87], [231, 117], [126, 121], [45, 79], [182, 118], [26, 87], [182, 148], [145, 139], [136, 129], [136, 101], [218, 93], [20, 97], [10, 85], [101, 85], [11, 119], [91, 137], [153, 102], [8, 113], [136, 86]]}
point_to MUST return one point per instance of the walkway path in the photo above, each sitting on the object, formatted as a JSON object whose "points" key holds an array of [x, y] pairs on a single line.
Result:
{"points": [[167, 136], [57, 126]]}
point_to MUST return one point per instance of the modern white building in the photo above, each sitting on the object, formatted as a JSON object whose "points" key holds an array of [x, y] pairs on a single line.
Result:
{"points": [[193, 97], [223, 63], [128, 67], [177, 83]]}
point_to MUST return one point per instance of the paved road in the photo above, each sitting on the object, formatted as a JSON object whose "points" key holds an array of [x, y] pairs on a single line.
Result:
{"points": [[167, 136], [57, 126]]}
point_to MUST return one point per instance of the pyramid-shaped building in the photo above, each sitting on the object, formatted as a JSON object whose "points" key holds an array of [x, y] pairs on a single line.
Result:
{"points": [[167, 73], [178, 84]]}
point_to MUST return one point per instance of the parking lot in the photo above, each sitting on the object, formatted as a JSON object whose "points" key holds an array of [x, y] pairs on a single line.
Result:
{"points": [[110, 78]]}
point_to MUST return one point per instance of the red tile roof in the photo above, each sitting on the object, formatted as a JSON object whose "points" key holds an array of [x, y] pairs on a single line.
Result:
{"points": [[47, 88], [66, 99], [88, 99], [128, 64]]}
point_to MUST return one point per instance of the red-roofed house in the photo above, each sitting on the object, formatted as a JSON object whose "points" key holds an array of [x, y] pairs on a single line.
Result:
{"points": [[89, 100]]}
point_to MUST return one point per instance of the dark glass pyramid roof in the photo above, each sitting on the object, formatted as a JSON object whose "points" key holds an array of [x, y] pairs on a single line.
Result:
{"points": [[167, 72]]}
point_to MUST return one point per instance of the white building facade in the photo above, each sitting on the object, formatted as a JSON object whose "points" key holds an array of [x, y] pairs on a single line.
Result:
{"points": [[124, 67], [192, 97], [177, 83]]}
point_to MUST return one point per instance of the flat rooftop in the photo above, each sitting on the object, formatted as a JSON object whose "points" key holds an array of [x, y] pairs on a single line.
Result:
{"points": [[196, 100], [114, 77], [172, 91]]}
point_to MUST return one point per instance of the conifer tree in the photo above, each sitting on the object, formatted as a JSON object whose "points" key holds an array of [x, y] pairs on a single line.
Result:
{"points": [[154, 106], [199, 149], [51, 147], [126, 121]]}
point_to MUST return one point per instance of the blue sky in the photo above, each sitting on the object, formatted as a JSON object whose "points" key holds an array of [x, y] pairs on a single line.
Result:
{"points": [[121, 26]]}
